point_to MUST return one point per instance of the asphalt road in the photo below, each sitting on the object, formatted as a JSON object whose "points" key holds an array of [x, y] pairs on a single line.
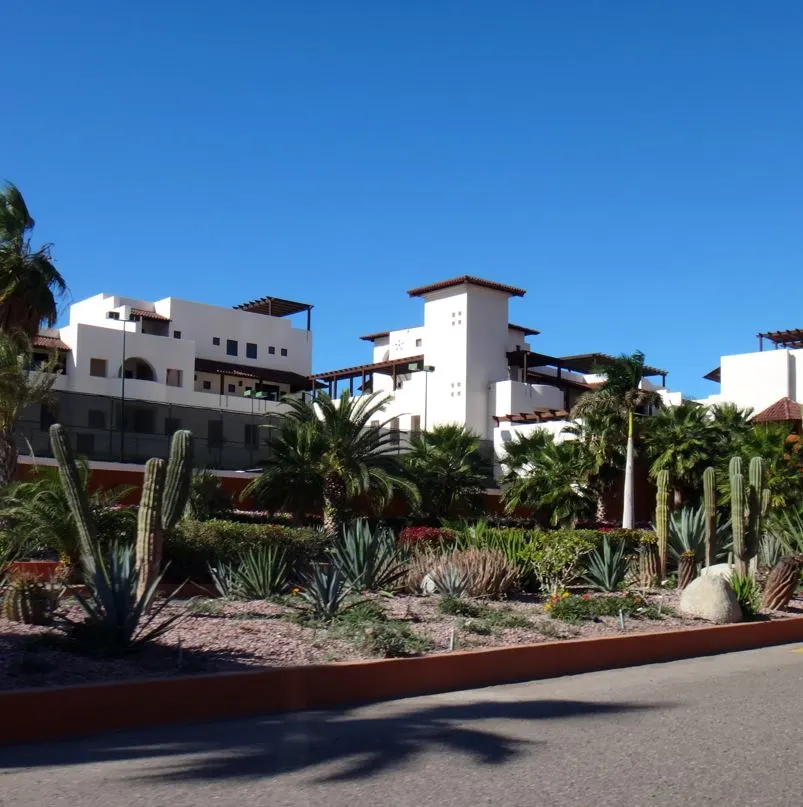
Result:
{"points": [[726, 730]]}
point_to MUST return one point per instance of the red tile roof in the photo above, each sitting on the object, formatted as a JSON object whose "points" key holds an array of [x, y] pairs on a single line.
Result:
{"points": [[52, 342], [143, 314], [783, 410], [468, 280]]}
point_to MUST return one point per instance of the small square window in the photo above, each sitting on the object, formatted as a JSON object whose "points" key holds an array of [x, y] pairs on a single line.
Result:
{"points": [[207, 384], [215, 340], [250, 350], [232, 388], [419, 342], [272, 350], [97, 368], [284, 351], [96, 419], [176, 334], [240, 384], [231, 347], [85, 443]]}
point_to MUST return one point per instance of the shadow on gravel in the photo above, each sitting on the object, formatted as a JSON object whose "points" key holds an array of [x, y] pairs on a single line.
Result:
{"points": [[359, 745]]}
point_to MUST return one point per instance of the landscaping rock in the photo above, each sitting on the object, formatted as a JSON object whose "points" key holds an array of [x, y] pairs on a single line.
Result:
{"points": [[711, 598], [722, 570], [428, 585]]}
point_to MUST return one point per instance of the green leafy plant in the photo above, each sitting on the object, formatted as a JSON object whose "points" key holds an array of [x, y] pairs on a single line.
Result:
{"points": [[687, 532], [459, 606], [370, 560], [261, 573], [324, 590], [450, 581], [747, 593], [786, 527], [555, 557], [207, 499], [366, 625], [606, 567], [575, 608]]}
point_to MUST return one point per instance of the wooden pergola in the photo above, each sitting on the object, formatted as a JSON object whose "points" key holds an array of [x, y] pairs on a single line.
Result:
{"points": [[276, 307], [792, 339], [538, 415], [365, 372]]}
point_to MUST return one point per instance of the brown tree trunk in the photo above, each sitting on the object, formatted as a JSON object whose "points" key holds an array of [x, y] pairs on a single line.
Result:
{"points": [[602, 508], [334, 503], [8, 458]]}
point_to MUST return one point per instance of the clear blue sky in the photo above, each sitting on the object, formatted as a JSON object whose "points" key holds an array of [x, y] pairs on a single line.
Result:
{"points": [[637, 166]]}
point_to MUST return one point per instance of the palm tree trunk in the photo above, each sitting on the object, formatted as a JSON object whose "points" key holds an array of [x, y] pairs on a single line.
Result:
{"points": [[8, 458], [628, 512], [602, 508], [334, 503]]}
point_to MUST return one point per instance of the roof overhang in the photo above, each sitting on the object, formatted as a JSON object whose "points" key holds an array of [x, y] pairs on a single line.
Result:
{"points": [[296, 381], [273, 307], [588, 363], [50, 342], [410, 364], [466, 280], [372, 337], [714, 375], [522, 329]]}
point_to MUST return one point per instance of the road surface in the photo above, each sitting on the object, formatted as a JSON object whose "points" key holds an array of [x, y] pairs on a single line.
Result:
{"points": [[726, 730]]}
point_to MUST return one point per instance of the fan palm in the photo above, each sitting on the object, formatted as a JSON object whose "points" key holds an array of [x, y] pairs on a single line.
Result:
{"points": [[622, 390], [329, 453], [19, 389], [29, 283], [449, 471]]}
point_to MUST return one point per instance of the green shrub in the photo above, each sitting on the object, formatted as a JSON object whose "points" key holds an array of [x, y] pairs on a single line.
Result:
{"points": [[606, 566], [457, 606], [208, 499], [195, 545], [554, 558], [747, 593], [370, 560], [366, 625], [261, 573], [575, 608]]}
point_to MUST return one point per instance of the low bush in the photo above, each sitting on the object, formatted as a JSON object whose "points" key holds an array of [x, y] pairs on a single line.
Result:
{"points": [[260, 574], [573, 608], [195, 545], [554, 558], [426, 536], [747, 593], [366, 625]]}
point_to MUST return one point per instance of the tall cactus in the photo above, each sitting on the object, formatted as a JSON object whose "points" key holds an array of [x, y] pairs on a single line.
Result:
{"points": [[662, 519], [178, 479], [149, 525], [710, 500], [754, 506], [76, 496], [737, 512]]}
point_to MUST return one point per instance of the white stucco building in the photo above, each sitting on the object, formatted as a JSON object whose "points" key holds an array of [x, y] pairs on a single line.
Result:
{"points": [[215, 370], [469, 364]]}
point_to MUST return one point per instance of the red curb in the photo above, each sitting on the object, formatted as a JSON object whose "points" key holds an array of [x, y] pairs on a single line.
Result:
{"points": [[48, 714]]}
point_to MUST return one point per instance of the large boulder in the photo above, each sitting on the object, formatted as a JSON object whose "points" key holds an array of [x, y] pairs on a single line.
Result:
{"points": [[710, 598], [723, 570]]}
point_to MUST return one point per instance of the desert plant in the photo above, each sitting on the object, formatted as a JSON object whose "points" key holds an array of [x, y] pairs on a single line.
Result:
{"points": [[426, 536], [555, 558], [450, 581], [261, 573], [31, 600], [606, 567], [117, 619], [787, 528], [487, 572], [324, 590], [662, 519], [710, 505], [782, 582], [687, 569], [370, 560], [649, 561], [737, 494], [573, 608], [687, 533], [207, 498], [747, 592]]}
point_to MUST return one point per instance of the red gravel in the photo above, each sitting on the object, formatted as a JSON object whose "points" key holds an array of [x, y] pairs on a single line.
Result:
{"points": [[217, 636]]}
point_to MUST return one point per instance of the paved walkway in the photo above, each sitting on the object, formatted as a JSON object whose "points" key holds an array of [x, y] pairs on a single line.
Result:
{"points": [[726, 730]]}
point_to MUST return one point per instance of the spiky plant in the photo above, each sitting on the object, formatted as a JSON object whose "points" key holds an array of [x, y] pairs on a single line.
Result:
{"points": [[649, 562], [324, 590], [370, 560], [662, 519], [260, 574], [737, 492], [687, 533], [710, 504], [606, 567], [687, 569], [782, 582], [450, 581]]}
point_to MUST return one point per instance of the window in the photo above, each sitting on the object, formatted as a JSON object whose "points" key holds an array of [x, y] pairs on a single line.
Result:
{"points": [[231, 347], [173, 378], [85, 443], [47, 417], [207, 384], [97, 367], [215, 340], [252, 435], [172, 425], [284, 351], [250, 350], [232, 388], [96, 419], [176, 334], [415, 423], [272, 350], [144, 421], [113, 314], [214, 432], [419, 342]]}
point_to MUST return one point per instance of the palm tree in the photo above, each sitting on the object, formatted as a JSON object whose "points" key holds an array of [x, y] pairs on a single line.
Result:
{"points": [[449, 471], [29, 283], [19, 389], [622, 390], [732, 425], [682, 440], [332, 452], [552, 478]]}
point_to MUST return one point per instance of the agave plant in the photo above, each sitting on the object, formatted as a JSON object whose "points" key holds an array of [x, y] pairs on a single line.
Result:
{"points": [[786, 527], [606, 569], [369, 560], [324, 590], [260, 574], [687, 533], [116, 621], [450, 581]]}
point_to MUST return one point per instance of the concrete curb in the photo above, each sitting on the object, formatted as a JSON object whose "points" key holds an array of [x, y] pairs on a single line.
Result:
{"points": [[35, 715]]}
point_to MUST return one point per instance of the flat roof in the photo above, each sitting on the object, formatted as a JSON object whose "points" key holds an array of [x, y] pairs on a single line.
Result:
{"points": [[295, 380], [469, 280], [587, 362], [273, 307]]}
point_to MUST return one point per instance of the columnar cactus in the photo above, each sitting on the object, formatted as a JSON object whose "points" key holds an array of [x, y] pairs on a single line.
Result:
{"points": [[662, 519], [737, 512], [649, 562], [149, 525], [710, 501], [782, 582], [754, 506], [178, 479]]}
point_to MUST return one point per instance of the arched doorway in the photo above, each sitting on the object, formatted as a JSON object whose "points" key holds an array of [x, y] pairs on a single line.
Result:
{"points": [[138, 369]]}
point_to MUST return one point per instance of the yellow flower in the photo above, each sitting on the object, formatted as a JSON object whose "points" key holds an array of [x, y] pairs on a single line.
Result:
{"points": [[295, 591], [565, 595]]}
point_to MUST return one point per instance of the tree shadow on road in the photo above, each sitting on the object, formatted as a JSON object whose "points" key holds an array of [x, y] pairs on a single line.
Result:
{"points": [[358, 744]]}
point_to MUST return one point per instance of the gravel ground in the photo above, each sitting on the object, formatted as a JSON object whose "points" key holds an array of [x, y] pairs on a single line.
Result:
{"points": [[217, 636]]}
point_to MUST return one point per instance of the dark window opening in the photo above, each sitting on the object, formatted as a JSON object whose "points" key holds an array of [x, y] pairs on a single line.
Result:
{"points": [[284, 351], [232, 388], [207, 384], [231, 347], [272, 350], [176, 334], [252, 435], [47, 417], [215, 340], [144, 420], [250, 350]]}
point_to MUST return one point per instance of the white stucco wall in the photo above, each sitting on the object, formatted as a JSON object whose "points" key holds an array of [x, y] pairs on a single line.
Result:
{"points": [[514, 397], [758, 379]]}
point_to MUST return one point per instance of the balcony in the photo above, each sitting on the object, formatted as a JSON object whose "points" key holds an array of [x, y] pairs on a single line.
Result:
{"points": [[516, 397]]}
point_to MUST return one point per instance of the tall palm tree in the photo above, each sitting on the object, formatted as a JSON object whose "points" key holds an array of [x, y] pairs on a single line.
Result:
{"points": [[553, 478], [449, 471], [19, 389], [332, 452], [622, 390], [682, 440], [29, 283], [731, 424]]}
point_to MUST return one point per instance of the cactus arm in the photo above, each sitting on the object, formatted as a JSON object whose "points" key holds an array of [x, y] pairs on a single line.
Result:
{"points": [[662, 519], [710, 500], [149, 525], [754, 504], [737, 518], [75, 492], [178, 479]]}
